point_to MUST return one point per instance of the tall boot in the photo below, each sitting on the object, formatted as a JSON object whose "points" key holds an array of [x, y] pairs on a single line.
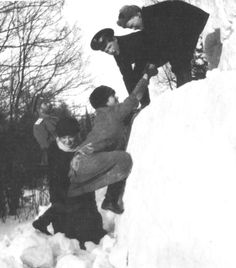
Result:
{"points": [[113, 198]]}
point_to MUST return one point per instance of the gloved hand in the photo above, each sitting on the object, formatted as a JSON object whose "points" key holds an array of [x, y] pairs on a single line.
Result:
{"points": [[80, 152], [85, 150], [151, 70]]}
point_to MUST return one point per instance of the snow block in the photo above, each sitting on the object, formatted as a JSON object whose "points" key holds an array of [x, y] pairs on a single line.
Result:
{"points": [[180, 198], [73, 261], [23, 241], [62, 245], [9, 262], [40, 256]]}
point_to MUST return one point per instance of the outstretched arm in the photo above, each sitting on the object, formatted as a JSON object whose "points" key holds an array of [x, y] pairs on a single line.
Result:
{"points": [[130, 103], [149, 71]]}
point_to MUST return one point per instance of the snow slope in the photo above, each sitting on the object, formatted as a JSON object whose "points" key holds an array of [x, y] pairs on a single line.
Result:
{"points": [[180, 197]]}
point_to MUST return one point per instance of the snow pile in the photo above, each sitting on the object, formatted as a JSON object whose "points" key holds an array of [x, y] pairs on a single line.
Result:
{"points": [[33, 249], [180, 197]]}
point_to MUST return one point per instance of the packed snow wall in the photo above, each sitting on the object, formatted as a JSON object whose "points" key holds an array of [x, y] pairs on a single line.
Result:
{"points": [[180, 197]]}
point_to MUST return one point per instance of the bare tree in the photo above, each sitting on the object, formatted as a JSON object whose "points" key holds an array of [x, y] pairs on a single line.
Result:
{"points": [[39, 53]]}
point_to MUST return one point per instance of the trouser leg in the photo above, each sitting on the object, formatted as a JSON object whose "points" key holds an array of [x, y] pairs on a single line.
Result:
{"points": [[115, 191], [113, 198], [118, 170], [183, 71], [183, 77]]}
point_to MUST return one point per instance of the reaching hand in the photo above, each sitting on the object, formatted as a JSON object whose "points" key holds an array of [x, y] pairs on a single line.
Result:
{"points": [[81, 151], [150, 70], [85, 150]]}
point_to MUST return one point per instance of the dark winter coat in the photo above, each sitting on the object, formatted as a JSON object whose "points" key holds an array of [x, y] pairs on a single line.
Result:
{"points": [[59, 165], [76, 217], [132, 58], [172, 29], [107, 135]]}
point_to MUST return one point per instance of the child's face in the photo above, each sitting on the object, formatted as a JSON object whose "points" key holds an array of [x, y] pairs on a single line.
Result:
{"points": [[112, 100], [68, 141], [135, 22]]}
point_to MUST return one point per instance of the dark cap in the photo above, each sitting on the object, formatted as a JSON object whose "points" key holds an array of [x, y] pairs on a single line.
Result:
{"points": [[126, 13], [100, 39], [100, 95], [67, 126]]}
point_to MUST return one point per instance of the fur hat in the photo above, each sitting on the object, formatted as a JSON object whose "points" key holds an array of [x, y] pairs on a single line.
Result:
{"points": [[67, 126], [126, 13], [100, 95], [100, 39]]}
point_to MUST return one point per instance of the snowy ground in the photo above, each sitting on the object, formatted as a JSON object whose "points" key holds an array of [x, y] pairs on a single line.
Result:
{"points": [[180, 197], [21, 244]]}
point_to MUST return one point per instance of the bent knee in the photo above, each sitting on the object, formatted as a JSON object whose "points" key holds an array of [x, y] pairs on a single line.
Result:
{"points": [[126, 163]]}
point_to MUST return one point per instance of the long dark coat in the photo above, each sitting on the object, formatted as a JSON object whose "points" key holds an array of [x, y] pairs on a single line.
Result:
{"points": [[172, 29], [59, 165], [76, 217]]}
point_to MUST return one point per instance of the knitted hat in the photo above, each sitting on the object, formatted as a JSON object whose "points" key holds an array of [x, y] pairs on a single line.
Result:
{"points": [[100, 39], [100, 95], [126, 13], [67, 126]]}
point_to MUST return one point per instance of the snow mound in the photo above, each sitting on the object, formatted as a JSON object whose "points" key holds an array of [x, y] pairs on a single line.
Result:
{"points": [[180, 197], [32, 249]]}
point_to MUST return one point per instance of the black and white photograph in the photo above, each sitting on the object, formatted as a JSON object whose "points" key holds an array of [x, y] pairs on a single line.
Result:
{"points": [[118, 134]]}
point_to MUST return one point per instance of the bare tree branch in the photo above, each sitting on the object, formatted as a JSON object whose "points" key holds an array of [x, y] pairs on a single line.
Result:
{"points": [[39, 53]]}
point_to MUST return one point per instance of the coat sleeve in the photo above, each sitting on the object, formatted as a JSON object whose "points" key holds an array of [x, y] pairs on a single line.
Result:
{"points": [[127, 73], [138, 70], [41, 134], [127, 106]]}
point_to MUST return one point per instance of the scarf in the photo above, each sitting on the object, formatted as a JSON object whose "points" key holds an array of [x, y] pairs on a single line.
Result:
{"points": [[65, 148]]}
